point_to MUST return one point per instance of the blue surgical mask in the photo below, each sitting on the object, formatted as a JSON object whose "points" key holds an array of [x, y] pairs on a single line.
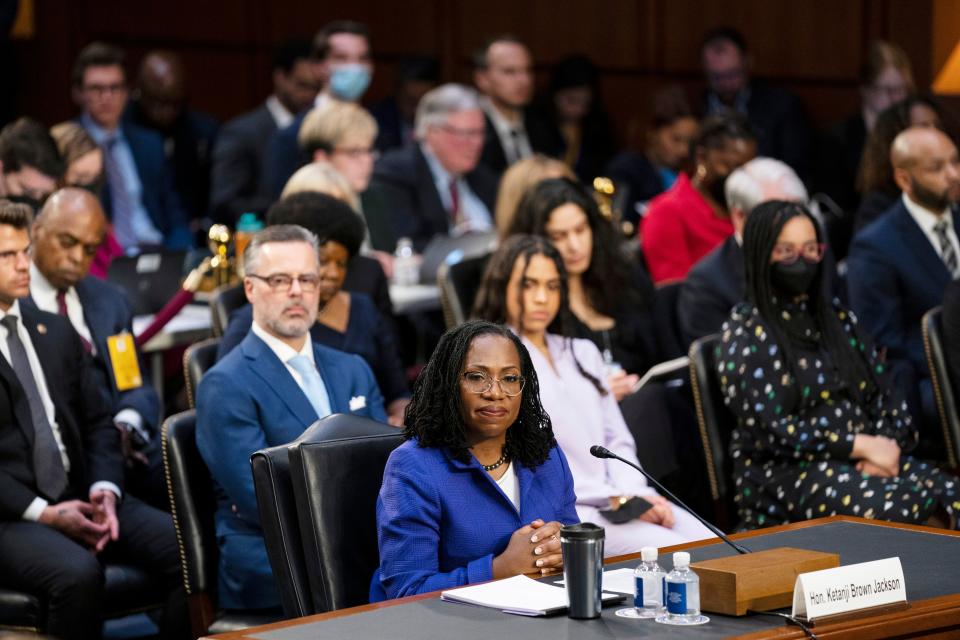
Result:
{"points": [[349, 81]]}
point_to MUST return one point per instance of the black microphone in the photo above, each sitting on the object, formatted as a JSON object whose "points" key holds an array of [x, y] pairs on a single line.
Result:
{"points": [[602, 452]]}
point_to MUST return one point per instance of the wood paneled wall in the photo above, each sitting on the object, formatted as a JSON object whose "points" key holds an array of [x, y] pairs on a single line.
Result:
{"points": [[813, 47]]}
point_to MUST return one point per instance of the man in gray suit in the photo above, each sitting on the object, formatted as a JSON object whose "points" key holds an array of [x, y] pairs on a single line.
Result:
{"points": [[238, 155]]}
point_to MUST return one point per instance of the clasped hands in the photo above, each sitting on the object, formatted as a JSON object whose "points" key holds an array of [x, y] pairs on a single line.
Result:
{"points": [[92, 524], [876, 455], [534, 548]]}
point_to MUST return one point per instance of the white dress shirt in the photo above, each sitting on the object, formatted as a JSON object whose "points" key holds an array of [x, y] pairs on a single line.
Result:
{"points": [[280, 114], [285, 352], [927, 219], [45, 297], [513, 135], [474, 214], [36, 370]]}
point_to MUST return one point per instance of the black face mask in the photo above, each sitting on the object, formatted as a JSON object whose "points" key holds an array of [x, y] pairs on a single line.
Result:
{"points": [[793, 279], [34, 203], [93, 187], [718, 191]]}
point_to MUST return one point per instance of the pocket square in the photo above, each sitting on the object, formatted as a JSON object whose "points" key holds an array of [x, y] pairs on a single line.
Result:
{"points": [[357, 403]]}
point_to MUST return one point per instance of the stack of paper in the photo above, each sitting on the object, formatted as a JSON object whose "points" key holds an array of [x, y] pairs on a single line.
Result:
{"points": [[520, 595]]}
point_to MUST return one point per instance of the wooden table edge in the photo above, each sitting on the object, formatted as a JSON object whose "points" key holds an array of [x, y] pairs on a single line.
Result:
{"points": [[936, 604]]}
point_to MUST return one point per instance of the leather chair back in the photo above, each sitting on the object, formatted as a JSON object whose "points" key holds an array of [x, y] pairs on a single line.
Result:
{"points": [[943, 389], [337, 480], [716, 423], [197, 360], [192, 504], [225, 300], [459, 283]]}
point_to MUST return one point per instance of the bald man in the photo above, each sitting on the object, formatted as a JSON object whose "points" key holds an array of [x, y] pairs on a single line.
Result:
{"points": [[160, 102], [900, 265], [66, 235]]}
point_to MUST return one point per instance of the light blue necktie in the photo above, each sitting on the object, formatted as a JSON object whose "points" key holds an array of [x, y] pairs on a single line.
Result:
{"points": [[312, 384]]}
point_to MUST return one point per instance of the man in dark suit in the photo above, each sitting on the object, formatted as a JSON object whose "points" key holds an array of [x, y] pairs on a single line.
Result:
{"points": [[236, 183], [439, 187], [66, 235], [900, 265], [139, 194], [717, 282], [344, 66], [776, 116], [265, 393], [503, 72], [61, 473], [160, 103]]}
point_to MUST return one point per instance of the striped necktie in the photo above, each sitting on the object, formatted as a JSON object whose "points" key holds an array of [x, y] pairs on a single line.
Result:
{"points": [[947, 253]]}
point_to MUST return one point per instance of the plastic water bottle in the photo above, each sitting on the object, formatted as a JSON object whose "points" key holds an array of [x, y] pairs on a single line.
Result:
{"points": [[682, 594], [648, 584], [406, 271]]}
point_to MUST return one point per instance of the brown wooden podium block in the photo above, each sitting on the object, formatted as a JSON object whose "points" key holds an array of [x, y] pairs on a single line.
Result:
{"points": [[759, 581]]}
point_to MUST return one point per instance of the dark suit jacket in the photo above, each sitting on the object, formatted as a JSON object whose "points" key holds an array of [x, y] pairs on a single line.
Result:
{"points": [[780, 123], [107, 312], [392, 131], [239, 155], [538, 132], [712, 288], [249, 401], [895, 276], [404, 180], [92, 442], [283, 157], [156, 179]]}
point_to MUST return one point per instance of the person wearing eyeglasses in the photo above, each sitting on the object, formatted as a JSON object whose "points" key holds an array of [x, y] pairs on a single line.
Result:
{"points": [[438, 186], [525, 288], [265, 393], [820, 431], [480, 490], [139, 196], [67, 234]]}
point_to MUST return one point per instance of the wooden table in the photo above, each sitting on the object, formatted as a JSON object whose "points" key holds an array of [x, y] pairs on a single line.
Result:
{"points": [[929, 617]]}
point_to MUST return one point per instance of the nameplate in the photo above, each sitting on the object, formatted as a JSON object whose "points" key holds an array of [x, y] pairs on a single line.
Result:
{"points": [[842, 590]]}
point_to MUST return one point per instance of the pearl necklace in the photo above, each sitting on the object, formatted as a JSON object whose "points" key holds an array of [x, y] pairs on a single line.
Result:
{"points": [[498, 463]]}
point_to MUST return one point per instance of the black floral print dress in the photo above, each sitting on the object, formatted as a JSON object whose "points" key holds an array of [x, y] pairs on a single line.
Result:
{"points": [[791, 449]]}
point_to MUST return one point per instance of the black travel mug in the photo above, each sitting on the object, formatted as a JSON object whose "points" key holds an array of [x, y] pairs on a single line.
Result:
{"points": [[582, 546]]}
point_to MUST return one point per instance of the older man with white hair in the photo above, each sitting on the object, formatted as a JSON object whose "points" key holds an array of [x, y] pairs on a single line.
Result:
{"points": [[716, 283], [438, 187]]}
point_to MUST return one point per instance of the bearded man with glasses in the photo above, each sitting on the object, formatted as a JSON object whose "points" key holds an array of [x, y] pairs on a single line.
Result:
{"points": [[277, 371]]}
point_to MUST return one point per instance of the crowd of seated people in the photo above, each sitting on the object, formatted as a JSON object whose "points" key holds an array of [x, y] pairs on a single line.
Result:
{"points": [[820, 358]]}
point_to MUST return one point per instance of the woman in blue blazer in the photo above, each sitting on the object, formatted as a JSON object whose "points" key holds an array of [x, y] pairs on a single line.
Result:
{"points": [[480, 488]]}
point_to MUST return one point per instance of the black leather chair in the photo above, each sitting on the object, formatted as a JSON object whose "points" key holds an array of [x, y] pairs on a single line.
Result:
{"points": [[336, 473], [459, 283], [225, 300], [942, 385], [192, 504], [197, 360], [716, 423]]}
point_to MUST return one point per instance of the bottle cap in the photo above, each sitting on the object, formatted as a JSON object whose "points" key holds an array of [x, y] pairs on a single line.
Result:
{"points": [[648, 554], [681, 559]]}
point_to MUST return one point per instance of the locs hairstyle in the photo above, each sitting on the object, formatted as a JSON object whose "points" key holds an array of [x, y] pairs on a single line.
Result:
{"points": [[491, 303], [607, 282], [434, 416], [760, 234]]}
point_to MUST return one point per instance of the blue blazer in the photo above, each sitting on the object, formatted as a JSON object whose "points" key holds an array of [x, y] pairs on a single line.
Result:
{"points": [[107, 312], [440, 522], [894, 277], [249, 401]]}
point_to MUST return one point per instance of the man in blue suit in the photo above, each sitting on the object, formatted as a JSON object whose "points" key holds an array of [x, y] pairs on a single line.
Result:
{"points": [[66, 235], [267, 392], [139, 194], [900, 265]]}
